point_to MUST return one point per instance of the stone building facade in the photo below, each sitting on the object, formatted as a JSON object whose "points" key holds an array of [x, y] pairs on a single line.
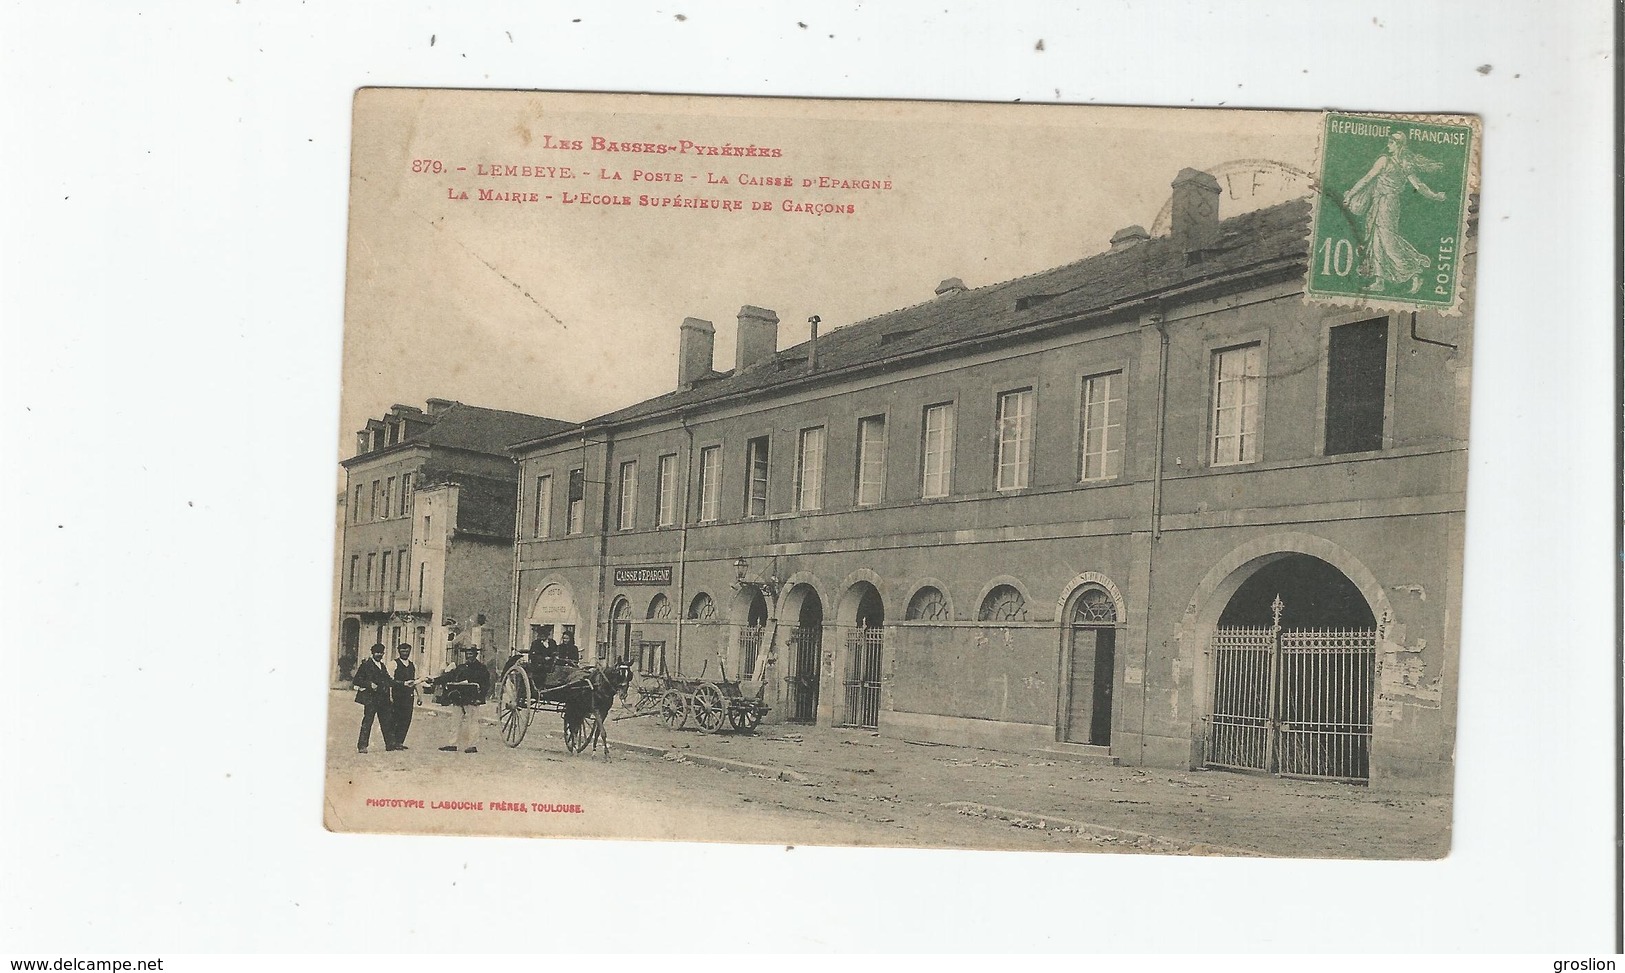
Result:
{"points": [[427, 531], [1150, 506]]}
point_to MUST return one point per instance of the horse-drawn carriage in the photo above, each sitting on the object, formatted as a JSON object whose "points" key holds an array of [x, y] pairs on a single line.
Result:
{"points": [[710, 704], [582, 694]]}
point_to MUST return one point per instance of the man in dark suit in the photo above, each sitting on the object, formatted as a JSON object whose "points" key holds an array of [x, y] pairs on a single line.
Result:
{"points": [[403, 696], [372, 692], [542, 653]]}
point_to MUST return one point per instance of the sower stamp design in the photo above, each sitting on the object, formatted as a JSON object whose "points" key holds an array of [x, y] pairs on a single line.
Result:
{"points": [[1391, 213]]}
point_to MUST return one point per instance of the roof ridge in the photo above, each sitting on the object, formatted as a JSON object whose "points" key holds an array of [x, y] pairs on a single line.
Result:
{"points": [[1093, 282]]}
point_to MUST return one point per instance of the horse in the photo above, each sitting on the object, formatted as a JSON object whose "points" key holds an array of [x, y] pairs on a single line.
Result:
{"points": [[588, 694]]}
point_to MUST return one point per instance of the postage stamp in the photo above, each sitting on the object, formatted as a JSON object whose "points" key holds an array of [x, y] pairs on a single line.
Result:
{"points": [[1391, 214]]}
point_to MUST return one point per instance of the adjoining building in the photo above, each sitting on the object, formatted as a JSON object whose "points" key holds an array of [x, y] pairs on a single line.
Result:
{"points": [[1150, 506], [428, 524]]}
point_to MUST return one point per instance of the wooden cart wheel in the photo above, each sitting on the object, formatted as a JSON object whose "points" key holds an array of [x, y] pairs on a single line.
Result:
{"points": [[752, 718], [673, 710], [710, 707], [513, 706]]}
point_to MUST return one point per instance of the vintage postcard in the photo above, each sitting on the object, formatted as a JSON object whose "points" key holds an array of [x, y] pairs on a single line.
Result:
{"points": [[1039, 477]]}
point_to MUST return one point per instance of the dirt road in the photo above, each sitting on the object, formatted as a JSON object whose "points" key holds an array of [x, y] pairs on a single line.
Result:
{"points": [[841, 786]]}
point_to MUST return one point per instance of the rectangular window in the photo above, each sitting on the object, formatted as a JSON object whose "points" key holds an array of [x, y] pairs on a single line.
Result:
{"points": [[389, 494], [578, 501], [871, 467], [402, 572], [666, 491], [1102, 435], [421, 566], [937, 453], [1237, 376], [370, 560], [710, 482], [355, 506], [355, 565], [627, 515], [405, 508], [372, 511], [541, 524], [810, 470], [756, 485], [1015, 449], [1356, 386], [384, 566]]}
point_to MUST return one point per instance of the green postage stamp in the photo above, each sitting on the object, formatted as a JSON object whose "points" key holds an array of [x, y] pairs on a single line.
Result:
{"points": [[1391, 215]]}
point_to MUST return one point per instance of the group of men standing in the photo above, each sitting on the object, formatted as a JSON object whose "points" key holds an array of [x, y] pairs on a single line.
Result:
{"points": [[389, 696]]}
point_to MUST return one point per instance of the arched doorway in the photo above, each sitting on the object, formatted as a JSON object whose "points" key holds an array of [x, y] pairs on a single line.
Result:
{"points": [[652, 647], [620, 630], [1294, 672], [865, 647], [553, 615], [806, 648], [1092, 654]]}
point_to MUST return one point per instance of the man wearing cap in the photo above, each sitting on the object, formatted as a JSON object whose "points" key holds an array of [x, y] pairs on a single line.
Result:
{"points": [[466, 688], [403, 696], [372, 692]]}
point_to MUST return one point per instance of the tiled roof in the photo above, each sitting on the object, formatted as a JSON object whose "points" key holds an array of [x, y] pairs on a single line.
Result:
{"points": [[474, 428], [487, 430], [1251, 241]]}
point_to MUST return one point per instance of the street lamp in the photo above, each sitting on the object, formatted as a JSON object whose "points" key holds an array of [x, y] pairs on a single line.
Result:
{"points": [[769, 588]]}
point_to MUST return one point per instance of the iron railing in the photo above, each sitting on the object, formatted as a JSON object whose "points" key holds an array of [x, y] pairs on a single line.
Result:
{"points": [[750, 646], [805, 644], [378, 600], [864, 648], [1296, 702]]}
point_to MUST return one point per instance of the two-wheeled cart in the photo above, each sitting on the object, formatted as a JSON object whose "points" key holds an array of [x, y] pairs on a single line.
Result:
{"points": [[525, 689]]}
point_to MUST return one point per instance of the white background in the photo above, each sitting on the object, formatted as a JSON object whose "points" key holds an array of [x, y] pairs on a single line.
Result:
{"points": [[175, 189]]}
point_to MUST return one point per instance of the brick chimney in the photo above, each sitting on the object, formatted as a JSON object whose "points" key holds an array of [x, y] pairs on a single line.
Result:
{"points": [[696, 341], [1195, 211], [437, 406], [758, 337], [950, 287], [1129, 236]]}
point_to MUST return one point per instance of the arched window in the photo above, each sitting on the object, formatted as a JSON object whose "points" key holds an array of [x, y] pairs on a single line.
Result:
{"points": [[702, 608], [1094, 607], [1003, 604], [621, 610], [928, 605], [660, 608]]}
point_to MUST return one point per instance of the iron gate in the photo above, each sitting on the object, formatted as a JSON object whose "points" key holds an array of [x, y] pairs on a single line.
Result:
{"points": [[803, 679], [863, 652], [1293, 702], [750, 645]]}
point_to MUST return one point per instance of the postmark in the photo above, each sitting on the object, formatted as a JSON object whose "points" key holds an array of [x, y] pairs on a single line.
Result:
{"points": [[1390, 217]]}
